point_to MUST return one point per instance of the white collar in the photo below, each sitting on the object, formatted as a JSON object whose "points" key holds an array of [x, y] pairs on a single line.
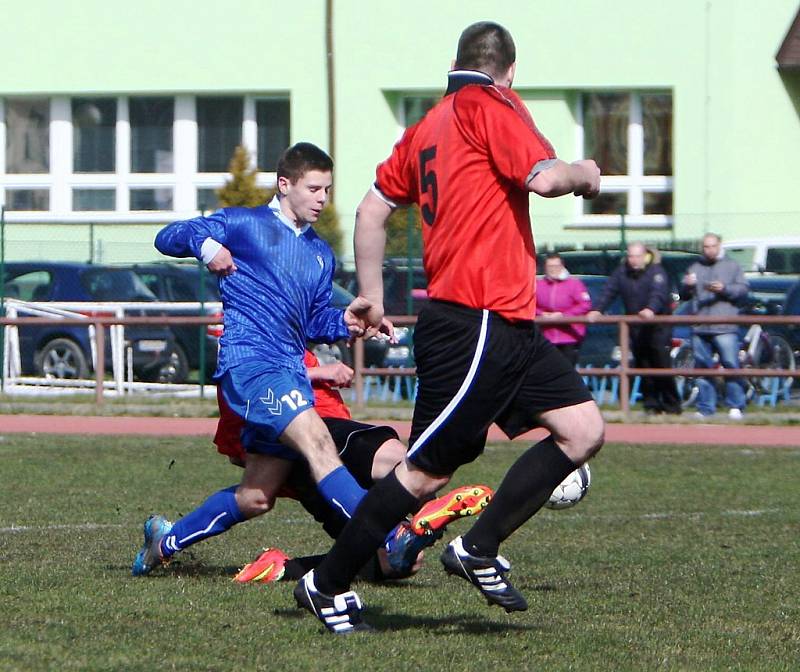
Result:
{"points": [[275, 206]]}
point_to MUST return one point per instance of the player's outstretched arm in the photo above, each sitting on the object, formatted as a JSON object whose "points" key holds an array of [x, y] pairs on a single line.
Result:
{"points": [[185, 238], [370, 241], [581, 178]]}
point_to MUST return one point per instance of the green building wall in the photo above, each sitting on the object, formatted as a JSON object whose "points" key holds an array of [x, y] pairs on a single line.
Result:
{"points": [[736, 131]]}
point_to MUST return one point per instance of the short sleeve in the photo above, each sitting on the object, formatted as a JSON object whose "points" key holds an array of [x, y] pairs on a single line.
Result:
{"points": [[394, 178], [497, 119]]}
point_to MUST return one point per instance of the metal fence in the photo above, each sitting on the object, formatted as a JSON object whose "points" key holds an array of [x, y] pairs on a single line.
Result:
{"points": [[624, 372]]}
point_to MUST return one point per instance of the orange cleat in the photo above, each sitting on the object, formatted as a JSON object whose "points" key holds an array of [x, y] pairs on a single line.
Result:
{"points": [[266, 568], [468, 500]]}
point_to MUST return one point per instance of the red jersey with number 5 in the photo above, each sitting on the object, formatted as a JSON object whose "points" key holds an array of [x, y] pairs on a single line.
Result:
{"points": [[467, 164]]}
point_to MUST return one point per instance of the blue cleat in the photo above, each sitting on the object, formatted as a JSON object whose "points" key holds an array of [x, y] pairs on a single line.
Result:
{"points": [[149, 557], [403, 545]]}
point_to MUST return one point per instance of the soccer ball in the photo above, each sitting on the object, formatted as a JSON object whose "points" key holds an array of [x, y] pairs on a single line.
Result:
{"points": [[571, 490]]}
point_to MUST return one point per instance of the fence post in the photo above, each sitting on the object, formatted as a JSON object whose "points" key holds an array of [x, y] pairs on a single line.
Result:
{"points": [[100, 365], [624, 381]]}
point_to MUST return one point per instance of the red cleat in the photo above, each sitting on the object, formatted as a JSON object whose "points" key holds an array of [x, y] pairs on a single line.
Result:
{"points": [[266, 568], [468, 500]]}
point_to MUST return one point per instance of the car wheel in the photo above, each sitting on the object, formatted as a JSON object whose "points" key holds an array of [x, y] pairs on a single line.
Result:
{"points": [[176, 370], [61, 358]]}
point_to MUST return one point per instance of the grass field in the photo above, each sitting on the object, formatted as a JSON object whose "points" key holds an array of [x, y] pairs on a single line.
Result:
{"points": [[679, 558]]}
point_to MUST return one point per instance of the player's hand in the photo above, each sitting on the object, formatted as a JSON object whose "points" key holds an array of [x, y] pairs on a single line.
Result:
{"points": [[363, 318], [592, 315], [646, 313], [337, 374], [222, 264], [553, 315], [715, 286], [592, 176]]}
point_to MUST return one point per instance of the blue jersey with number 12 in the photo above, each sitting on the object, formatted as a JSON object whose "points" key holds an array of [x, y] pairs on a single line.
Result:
{"points": [[278, 298]]}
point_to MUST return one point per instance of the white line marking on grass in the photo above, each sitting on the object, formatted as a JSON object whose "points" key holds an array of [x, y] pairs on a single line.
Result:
{"points": [[42, 528]]}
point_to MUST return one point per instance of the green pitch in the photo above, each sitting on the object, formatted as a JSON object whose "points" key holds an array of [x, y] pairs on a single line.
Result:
{"points": [[679, 558]]}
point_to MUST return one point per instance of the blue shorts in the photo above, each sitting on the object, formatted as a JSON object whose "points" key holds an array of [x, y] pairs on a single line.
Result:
{"points": [[268, 400]]}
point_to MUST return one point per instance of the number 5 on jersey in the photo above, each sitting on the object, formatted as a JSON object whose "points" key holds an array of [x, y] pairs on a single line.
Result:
{"points": [[427, 184]]}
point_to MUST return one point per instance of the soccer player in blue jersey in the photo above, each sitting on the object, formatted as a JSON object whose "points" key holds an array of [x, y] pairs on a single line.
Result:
{"points": [[276, 283]]}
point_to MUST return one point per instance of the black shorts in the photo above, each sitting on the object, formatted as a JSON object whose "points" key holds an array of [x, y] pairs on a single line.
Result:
{"points": [[476, 368], [357, 444]]}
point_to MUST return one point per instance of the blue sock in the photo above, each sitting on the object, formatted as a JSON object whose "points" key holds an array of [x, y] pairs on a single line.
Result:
{"points": [[218, 513], [341, 491]]}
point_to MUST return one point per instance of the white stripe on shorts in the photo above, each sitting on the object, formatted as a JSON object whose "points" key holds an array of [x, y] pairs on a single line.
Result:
{"points": [[462, 391]]}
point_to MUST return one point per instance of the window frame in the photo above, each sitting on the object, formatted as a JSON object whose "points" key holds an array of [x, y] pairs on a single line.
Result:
{"points": [[635, 184], [184, 180]]}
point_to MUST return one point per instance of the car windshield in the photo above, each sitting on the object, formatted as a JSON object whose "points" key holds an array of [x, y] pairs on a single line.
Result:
{"points": [[104, 284]]}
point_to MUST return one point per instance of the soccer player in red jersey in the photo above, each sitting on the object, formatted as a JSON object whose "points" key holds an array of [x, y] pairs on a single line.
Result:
{"points": [[470, 164]]}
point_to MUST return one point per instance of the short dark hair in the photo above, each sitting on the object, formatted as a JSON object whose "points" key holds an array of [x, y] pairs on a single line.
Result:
{"points": [[300, 158], [553, 255], [486, 46]]}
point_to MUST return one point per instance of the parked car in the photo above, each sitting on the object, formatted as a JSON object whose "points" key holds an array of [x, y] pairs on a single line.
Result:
{"points": [[181, 283], [400, 298], [603, 262], [765, 255], [175, 282], [63, 351], [600, 347]]}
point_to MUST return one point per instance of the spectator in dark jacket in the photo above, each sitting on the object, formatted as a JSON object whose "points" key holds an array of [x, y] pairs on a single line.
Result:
{"points": [[559, 294], [643, 285], [716, 285]]}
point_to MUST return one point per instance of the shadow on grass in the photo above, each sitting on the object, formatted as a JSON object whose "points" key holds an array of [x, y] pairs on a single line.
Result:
{"points": [[471, 624]]}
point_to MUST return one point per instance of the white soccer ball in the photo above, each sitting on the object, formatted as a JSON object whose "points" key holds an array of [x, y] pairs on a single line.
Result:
{"points": [[571, 490]]}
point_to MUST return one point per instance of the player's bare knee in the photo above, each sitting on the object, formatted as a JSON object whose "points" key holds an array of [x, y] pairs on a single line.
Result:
{"points": [[581, 440], [253, 502], [419, 482]]}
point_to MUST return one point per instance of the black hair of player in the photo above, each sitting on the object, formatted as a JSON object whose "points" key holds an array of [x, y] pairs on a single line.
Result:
{"points": [[486, 46], [301, 158]]}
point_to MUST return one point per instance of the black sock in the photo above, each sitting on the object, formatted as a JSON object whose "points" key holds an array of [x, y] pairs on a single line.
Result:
{"points": [[383, 507], [295, 568], [526, 487]]}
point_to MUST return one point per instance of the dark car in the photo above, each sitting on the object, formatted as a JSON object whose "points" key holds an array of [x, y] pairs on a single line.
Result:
{"points": [[404, 286], [63, 351], [791, 332], [601, 345], [181, 283], [603, 262]]}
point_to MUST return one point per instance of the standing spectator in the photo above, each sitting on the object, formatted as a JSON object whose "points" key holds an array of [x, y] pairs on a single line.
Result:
{"points": [[559, 294], [643, 285], [715, 285]]}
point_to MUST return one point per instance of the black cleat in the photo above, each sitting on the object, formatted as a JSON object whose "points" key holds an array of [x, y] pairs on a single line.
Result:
{"points": [[487, 574], [340, 614]]}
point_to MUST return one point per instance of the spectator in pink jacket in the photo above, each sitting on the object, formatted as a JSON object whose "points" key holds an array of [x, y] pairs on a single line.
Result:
{"points": [[559, 294]]}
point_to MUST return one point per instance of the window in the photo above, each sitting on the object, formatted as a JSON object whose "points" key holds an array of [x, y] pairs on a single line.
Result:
{"points": [[416, 107], [87, 200], [219, 129], [151, 199], [272, 118], [151, 122], [94, 123], [207, 200], [630, 137], [28, 199], [131, 158], [30, 286], [27, 136]]}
